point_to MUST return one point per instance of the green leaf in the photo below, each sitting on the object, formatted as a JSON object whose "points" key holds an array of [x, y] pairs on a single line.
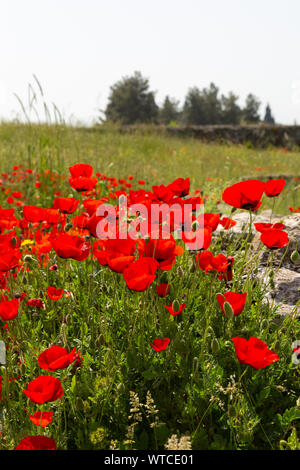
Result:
{"points": [[288, 416]]}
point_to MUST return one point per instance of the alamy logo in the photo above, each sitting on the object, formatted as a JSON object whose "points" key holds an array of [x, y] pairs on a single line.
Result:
{"points": [[153, 220]]}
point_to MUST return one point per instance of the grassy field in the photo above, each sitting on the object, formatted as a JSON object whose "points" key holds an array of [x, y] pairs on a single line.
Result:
{"points": [[111, 389], [151, 157]]}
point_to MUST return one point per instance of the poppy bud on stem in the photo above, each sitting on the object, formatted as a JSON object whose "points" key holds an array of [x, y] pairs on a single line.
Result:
{"points": [[215, 347], [228, 310], [180, 272], [195, 364], [68, 227], [29, 259], [176, 306], [276, 346], [100, 340], [295, 256]]}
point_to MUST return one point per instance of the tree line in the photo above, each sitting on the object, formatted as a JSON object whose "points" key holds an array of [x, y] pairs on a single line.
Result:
{"points": [[131, 102]]}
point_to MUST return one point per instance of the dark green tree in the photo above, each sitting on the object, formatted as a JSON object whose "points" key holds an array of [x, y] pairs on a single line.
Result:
{"points": [[213, 111], [268, 116], [194, 107], [231, 112], [202, 107], [250, 112], [169, 111], [130, 101]]}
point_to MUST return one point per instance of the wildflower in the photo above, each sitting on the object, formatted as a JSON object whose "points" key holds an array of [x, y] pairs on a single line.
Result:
{"points": [[267, 227], [227, 223], [160, 344], [56, 357], [140, 274], [274, 239], [41, 418], [36, 443], [180, 187], [164, 251], [34, 214], [68, 246], [245, 195], [53, 293], [67, 205], [236, 300], [9, 259], [9, 309], [36, 303], [162, 290], [174, 311], [274, 187], [43, 389], [208, 262], [254, 352]]}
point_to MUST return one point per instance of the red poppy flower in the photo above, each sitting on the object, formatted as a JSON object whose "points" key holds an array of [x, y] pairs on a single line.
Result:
{"points": [[244, 195], [94, 226], [274, 187], [41, 418], [274, 239], [164, 251], [227, 223], [160, 344], [68, 246], [82, 184], [91, 205], [208, 220], [43, 389], [236, 300], [180, 187], [34, 214], [36, 443], [53, 267], [118, 254], [162, 290], [254, 352], [208, 262], [227, 275], [80, 221], [68, 205], [171, 311], [81, 169], [53, 293], [163, 193], [36, 303], [140, 274], [51, 216], [266, 227], [9, 259], [21, 296], [9, 309], [198, 240], [56, 357]]}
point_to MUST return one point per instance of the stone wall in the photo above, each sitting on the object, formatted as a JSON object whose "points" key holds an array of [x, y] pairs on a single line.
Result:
{"points": [[260, 135]]}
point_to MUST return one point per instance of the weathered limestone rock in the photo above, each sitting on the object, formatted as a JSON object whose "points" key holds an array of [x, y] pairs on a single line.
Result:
{"points": [[286, 292]]}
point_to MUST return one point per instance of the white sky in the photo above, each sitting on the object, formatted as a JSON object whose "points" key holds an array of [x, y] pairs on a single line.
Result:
{"points": [[79, 48]]}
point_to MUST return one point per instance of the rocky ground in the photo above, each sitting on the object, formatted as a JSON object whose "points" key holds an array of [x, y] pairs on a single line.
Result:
{"points": [[285, 291]]}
